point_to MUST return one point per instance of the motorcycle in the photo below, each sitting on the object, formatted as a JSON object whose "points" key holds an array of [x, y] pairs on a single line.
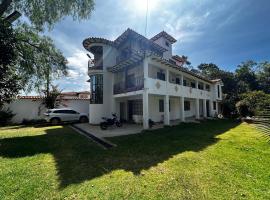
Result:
{"points": [[110, 122]]}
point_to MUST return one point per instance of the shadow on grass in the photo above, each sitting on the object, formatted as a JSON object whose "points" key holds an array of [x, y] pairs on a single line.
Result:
{"points": [[79, 159]]}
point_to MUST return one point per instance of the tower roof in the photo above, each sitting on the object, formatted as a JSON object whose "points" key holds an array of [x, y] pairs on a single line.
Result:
{"points": [[164, 34]]}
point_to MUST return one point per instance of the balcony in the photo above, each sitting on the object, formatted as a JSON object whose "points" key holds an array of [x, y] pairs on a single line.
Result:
{"points": [[130, 85]]}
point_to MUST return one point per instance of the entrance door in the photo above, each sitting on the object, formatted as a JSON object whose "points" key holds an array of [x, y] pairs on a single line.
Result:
{"points": [[130, 110], [122, 111], [207, 109]]}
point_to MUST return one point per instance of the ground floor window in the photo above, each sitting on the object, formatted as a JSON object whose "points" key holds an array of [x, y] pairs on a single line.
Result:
{"points": [[187, 105], [96, 82], [161, 105], [214, 105], [137, 107]]}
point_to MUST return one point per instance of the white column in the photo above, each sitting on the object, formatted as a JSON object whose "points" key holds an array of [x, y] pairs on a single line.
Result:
{"points": [[182, 79], [182, 101], [145, 110], [204, 108], [145, 96], [166, 110], [197, 108], [211, 108], [167, 75], [197, 84]]}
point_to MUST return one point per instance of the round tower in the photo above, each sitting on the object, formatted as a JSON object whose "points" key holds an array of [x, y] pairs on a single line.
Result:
{"points": [[101, 80]]}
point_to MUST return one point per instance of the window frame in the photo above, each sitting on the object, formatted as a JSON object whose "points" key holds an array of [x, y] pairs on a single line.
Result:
{"points": [[96, 84], [186, 105], [161, 105]]}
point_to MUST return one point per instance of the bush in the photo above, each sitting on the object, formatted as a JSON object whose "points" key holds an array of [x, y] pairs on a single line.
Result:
{"points": [[253, 103], [243, 108], [5, 116]]}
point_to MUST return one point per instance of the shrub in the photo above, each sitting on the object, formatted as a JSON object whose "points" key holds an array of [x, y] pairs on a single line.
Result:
{"points": [[252, 103], [6, 116], [243, 108]]}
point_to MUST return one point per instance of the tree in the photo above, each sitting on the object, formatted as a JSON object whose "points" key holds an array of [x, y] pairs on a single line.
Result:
{"points": [[263, 76], [51, 99], [252, 103], [210, 70], [10, 82], [245, 75], [30, 55], [37, 57], [47, 12]]}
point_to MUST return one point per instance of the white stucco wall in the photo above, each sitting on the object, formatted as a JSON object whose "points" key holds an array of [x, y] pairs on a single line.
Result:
{"points": [[34, 109]]}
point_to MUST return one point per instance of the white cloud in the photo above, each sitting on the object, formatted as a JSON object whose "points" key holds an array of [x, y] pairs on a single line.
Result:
{"points": [[78, 61]]}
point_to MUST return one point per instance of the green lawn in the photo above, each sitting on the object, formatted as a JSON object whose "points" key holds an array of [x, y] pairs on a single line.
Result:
{"points": [[212, 160]]}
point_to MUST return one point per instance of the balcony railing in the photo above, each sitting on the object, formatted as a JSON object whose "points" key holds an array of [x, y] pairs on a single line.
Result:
{"points": [[129, 86]]}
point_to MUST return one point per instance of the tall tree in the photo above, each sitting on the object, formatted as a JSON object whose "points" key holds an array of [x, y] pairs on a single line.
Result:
{"points": [[10, 82], [263, 76], [47, 12], [37, 56], [34, 58], [245, 75]]}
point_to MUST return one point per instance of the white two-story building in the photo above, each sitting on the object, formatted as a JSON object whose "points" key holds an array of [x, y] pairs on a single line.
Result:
{"points": [[140, 79]]}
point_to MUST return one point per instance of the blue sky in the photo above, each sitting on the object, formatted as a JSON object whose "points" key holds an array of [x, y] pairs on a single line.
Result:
{"points": [[223, 32]]}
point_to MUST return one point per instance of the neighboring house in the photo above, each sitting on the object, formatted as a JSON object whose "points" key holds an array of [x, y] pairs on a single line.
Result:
{"points": [[81, 95], [140, 79], [32, 107]]}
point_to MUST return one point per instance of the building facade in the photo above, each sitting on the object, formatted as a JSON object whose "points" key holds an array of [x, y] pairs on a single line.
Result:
{"points": [[140, 79]]}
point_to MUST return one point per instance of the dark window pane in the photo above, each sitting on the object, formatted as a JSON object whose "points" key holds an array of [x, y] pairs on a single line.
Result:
{"points": [[177, 81], [161, 105], [186, 105], [214, 105], [185, 82], [96, 89]]}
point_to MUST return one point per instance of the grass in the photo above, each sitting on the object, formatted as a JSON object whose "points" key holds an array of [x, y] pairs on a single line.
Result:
{"points": [[212, 160]]}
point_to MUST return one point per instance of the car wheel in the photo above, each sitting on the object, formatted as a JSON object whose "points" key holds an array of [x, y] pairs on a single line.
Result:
{"points": [[55, 121], [83, 119]]}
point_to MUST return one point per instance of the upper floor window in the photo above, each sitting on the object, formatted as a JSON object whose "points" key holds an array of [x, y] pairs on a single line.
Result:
{"points": [[96, 89], [218, 88], [161, 75], [185, 82], [177, 80], [192, 84], [200, 86], [167, 44], [207, 87]]}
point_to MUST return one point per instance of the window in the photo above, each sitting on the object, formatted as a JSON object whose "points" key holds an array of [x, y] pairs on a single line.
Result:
{"points": [[137, 107], [200, 86], [192, 84], [130, 81], [161, 75], [161, 105], [185, 82], [218, 87], [167, 44], [177, 81], [186, 105], [214, 105], [96, 89], [207, 87], [65, 111], [71, 112]]}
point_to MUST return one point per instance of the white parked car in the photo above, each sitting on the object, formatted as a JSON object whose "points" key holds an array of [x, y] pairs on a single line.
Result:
{"points": [[55, 116]]}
